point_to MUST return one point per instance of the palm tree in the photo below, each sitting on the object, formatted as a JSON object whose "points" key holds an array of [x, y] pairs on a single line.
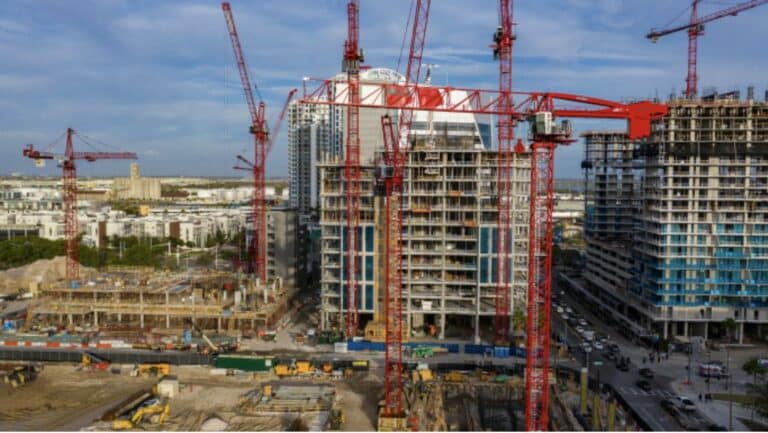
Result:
{"points": [[730, 325]]}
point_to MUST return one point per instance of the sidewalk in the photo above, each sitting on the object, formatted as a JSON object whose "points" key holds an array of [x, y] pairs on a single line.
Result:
{"points": [[715, 410]]}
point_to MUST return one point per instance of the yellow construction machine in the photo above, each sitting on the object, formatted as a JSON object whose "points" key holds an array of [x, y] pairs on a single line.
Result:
{"points": [[157, 413], [158, 369]]}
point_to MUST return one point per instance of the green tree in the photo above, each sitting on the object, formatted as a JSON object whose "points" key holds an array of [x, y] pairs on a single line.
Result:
{"points": [[759, 400], [753, 368], [730, 326], [519, 320]]}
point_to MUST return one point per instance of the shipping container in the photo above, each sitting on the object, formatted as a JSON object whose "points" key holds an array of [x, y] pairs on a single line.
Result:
{"points": [[244, 362]]}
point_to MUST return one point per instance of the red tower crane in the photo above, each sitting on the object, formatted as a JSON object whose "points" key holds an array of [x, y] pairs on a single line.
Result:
{"points": [[353, 57], [69, 181], [391, 175], [503, 40], [540, 108], [695, 28], [263, 141]]}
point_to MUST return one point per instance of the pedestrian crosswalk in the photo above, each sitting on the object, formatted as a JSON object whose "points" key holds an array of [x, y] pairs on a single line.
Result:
{"points": [[635, 391]]}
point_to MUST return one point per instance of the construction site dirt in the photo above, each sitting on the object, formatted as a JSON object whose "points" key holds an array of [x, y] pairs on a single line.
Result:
{"points": [[67, 397], [63, 398]]}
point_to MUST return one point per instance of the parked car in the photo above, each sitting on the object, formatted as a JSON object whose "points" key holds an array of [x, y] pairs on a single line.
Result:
{"points": [[598, 345], [610, 356], [560, 310], [646, 373], [614, 347], [686, 403], [568, 310], [582, 322], [644, 385], [580, 330]]}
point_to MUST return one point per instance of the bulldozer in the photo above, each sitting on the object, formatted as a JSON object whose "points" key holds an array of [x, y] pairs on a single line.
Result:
{"points": [[159, 369], [157, 412]]}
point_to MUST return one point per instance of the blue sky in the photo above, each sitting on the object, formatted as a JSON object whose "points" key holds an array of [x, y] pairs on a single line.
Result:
{"points": [[158, 77]]}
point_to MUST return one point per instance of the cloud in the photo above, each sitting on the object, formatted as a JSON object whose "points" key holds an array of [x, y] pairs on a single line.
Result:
{"points": [[159, 77]]}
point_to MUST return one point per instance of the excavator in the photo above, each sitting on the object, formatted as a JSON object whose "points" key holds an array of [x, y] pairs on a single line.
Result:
{"points": [[93, 362], [161, 410]]}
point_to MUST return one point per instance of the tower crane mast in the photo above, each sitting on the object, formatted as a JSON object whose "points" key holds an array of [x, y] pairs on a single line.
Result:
{"points": [[695, 28], [353, 57], [263, 141], [503, 39], [391, 175], [69, 180]]}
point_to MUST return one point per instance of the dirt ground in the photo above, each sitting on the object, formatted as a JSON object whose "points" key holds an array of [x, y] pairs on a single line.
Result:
{"points": [[359, 399], [62, 398]]}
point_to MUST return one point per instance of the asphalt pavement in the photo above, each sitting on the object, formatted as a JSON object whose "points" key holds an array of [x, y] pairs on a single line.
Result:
{"points": [[647, 404]]}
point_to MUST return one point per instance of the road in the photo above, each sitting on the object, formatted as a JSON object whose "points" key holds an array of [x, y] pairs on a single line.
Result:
{"points": [[646, 404]]}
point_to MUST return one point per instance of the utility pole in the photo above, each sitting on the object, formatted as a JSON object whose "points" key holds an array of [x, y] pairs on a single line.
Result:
{"points": [[730, 387]]}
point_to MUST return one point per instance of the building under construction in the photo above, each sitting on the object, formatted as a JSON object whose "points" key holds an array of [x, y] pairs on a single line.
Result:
{"points": [[214, 301], [449, 231], [677, 230]]}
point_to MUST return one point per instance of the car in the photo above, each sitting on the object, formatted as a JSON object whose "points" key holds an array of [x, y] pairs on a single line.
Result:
{"points": [[716, 427], [644, 385], [614, 347], [646, 373], [623, 366], [669, 405], [598, 345], [564, 316], [568, 310], [610, 356], [582, 322], [579, 329], [560, 310], [686, 403]]}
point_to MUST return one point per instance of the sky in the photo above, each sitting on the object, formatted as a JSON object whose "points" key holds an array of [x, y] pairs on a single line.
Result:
{"points": [[159, 78]]}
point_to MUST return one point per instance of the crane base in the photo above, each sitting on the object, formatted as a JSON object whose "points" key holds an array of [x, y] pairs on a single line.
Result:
{"points": [[392, 423]]}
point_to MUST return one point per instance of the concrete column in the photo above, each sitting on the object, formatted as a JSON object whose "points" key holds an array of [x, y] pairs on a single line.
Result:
{"points": [[706, 330], [741, 333], [685, 328], [666, 329], [218, 324], [96, 319], [167, 321], [141, 309], [119, 317], [477, 328], [442, 327], [69, 317], [584, 388]]}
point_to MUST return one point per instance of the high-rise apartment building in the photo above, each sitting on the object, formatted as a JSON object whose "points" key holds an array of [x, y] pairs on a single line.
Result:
{"points": [[449, 231], [699, 227]]}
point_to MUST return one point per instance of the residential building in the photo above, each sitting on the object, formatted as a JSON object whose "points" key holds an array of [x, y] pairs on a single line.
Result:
{"points": [[696, 221]]}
